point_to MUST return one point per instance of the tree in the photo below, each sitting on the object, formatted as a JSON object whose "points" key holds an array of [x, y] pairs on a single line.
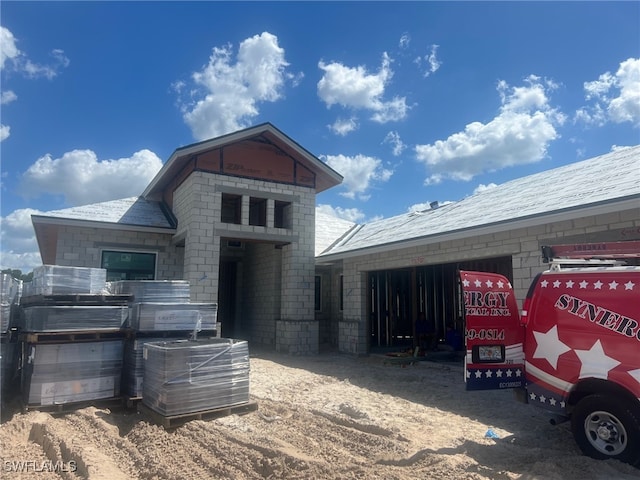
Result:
{"points": [[18, 275]]}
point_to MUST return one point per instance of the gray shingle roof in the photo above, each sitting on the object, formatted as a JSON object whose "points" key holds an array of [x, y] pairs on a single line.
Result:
{"points": [[329, 230], [607, 178], [126, 211]]}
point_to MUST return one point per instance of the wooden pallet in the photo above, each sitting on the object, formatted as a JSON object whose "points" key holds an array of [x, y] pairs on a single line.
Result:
{"points": [[131, 402], [70, 407], [75, 299], [71, 336], [174, 421]]}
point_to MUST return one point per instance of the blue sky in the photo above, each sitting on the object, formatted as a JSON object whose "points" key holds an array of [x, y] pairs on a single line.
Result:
{"points": [[411, 102]]}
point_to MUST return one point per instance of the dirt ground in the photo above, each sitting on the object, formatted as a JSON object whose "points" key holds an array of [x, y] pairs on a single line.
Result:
{"points": [[323, 417]]}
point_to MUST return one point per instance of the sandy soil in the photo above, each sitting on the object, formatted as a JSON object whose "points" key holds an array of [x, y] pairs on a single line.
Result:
{"points": [[323, 417]]}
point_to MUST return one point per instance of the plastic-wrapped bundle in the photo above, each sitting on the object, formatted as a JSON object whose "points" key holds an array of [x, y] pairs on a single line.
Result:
{"points": [[74, 317], [10, 292], [165, 291], [8, 363], [10, 289], [154, 317], [59, 280], [191, 376], [73, 372], [5, 317], [133, 367]]}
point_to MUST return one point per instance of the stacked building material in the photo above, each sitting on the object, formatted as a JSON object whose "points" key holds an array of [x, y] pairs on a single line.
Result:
{"points": [[59, 318], [133, 365], [71, 337], [183, 376], [154, 317], [165, 291], [59, 280], [10, 293], [159, 309], [61, 373]]}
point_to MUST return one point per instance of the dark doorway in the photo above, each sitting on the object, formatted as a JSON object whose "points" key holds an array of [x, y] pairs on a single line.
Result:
{"points": [[227, 280], [397, 297], [390, 301]]}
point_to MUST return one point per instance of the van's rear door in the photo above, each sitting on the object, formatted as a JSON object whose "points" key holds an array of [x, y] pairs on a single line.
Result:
{"points": [[493, 333]]}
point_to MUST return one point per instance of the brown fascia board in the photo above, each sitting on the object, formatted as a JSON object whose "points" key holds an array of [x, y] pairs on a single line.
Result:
{"points": [[187, 151]]}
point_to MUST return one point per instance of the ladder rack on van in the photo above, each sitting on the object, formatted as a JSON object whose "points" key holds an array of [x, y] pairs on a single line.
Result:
{"points": [[591, 251]]}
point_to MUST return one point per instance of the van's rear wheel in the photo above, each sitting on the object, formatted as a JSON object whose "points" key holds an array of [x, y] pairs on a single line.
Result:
{"points": [[607, 429]]}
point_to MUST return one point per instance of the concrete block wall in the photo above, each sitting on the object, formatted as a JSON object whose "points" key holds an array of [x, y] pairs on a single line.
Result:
{"points": [[297, 337], [261, 292], [277, 288], [196, 210], [297, 329], [522, 244], [83, 246]]}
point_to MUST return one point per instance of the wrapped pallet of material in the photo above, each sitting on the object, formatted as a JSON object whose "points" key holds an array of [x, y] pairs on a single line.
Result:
{"points": [[186, 376], [165, 291], [5, 317], [133, 366], [61, 373], [8, 352], [154, 317], [63, 318], [59, 280], [10, 293]]}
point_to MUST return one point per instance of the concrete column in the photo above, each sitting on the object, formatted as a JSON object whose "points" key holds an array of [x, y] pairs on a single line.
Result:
{"points": [[271, 206], [244, 210]]}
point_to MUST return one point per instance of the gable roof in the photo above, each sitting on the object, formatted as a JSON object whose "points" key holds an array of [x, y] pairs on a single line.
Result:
{"points": [[609, 182], [326, 177], [133, 213]]}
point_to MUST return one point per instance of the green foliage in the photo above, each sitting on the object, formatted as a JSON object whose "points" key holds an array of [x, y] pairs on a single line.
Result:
{"points": [[18, 275]]}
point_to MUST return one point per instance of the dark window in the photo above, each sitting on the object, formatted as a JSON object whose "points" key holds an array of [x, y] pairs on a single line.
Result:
{"points": [[318, 294], [341, 292], [282, 215], [128, 265], [258, 211], [231, 208]]}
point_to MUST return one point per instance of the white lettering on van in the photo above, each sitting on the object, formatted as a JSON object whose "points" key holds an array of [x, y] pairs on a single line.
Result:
{"points": [[601, 316]]}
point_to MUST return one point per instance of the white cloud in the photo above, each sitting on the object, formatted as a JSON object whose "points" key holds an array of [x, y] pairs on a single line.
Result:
{"points": [[226, 94], [19, 246], [355, 88], [5, 131], [397, 144], [11, 55], [419, 207], [21, 63], [422, 207], [81, 178], [616, 97], [405, 39], [519, 134], [344, 126], [483, 188], [359, 173], [8, 48], [352, 214], [431, 60], [7, 97]]}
